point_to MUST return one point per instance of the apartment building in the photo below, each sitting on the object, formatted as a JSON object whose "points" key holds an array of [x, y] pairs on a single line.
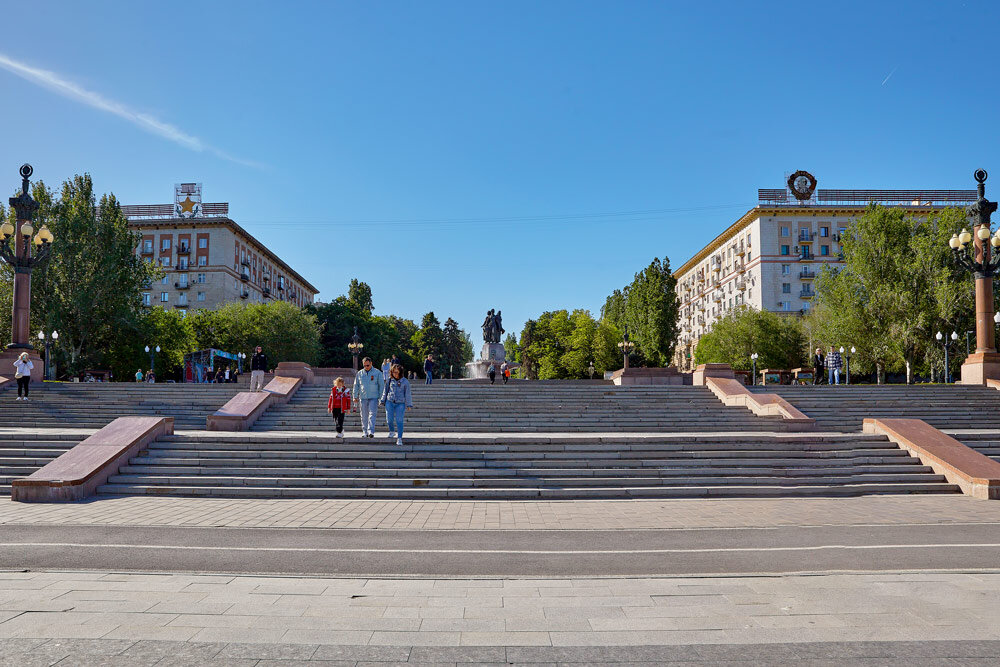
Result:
{"points": [[208, 259], [770, 257]]}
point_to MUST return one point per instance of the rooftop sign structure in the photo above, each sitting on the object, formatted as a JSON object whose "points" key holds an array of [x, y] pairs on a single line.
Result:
{"points": [[187, 200]]}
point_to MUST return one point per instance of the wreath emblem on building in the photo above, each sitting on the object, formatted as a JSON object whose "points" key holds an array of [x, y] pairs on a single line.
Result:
{"points": [[802, 184]]}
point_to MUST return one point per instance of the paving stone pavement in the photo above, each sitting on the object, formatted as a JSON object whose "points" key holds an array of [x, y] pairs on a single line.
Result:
{"points": [[515, 515], [163, 619]]}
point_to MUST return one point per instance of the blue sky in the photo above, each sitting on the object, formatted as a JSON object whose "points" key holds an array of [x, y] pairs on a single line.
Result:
{"points": [[525, 156]]}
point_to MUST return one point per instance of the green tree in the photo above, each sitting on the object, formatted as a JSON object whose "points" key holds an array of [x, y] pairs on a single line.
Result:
{"points": [[560, 345], [430, 338], [285, 331], [454, 353], [650, 309], [897, 288], [745, 330], [361, 294], [166, 328]]}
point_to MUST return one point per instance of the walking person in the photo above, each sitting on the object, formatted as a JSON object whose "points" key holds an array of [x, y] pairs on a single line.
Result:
{"points": [[429, 369], [138, 375], [396, 397], [258, 366], [819, 362], [492, 373], [339, 404], [386, 365], [833, 365], [220, 376], [150, 377], [22, 373], [368, 389], [504, 372]]}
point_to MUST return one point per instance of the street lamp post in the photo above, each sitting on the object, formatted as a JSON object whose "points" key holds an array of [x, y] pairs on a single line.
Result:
{"points": [[355, 346], [626, 346], [22, 259], [48, 341], [753, 360], [984, 363], [239, 361], [848, 367], [152, 361], [944, 343]]}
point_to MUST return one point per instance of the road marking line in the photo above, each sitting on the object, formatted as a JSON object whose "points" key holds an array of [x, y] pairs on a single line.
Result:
{"points": [[822, 547]]}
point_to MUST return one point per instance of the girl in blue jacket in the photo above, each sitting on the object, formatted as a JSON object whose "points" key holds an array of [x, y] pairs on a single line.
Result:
{"points": [[396, 397]]}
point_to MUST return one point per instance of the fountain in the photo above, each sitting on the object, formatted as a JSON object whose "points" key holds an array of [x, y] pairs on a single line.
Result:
{"points": [[493, 351]]}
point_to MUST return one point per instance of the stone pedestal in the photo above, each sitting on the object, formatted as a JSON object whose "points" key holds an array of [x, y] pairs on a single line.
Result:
{"points": [[711, 371], [980, 367], [492, 353], [7, 357]]}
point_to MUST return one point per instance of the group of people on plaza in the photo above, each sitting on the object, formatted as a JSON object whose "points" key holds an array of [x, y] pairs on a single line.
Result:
{"points": [[832, 362], [149, 377], [491, 372], [386, 387]]}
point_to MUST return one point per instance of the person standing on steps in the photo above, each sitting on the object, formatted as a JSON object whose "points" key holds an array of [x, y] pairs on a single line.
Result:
{"points": [[339, 404], [22, 373], [429, 369], [258, 366], [492, 373], [138, 375], [368, 389], [386, 365], [504, 372], [819, 362], [150, 377], [833, 365], [396, 398]]}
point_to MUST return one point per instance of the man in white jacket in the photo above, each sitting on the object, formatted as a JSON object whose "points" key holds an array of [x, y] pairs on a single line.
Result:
{"points": [[22, 373]]}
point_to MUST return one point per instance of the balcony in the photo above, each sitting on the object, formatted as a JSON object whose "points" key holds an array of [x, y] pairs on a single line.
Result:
{"points": [[183, 250], [182, 285], [807, 237], [181, 305], [245, 277], [181, 266], [741, 251], [806, 257], [807, 274], [246, 263], [245, 295], [266, 291], [701, 279], [741, 285], [806, 294], [741, 267]]}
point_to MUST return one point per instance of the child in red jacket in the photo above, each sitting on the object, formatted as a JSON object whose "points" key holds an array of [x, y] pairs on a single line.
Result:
{"points": [[339, 404]]}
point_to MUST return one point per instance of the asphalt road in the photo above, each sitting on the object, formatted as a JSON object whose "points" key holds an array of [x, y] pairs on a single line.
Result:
{"points": [[501, 553]]}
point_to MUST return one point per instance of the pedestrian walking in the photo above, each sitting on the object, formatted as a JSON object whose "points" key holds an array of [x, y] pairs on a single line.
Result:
{"points": [[150, 377], [819, 362], [367, 392], [504, 372], [492, 373], [22, 373], [258, 366], [138, 375], [339, 404], [833, 365], [386, 365], [220, 376], [396, 398], [226, 380], [429, 369]]}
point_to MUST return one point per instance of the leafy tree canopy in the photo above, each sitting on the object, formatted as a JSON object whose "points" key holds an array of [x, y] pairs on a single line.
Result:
{"points": [[650, 309], [777, 339]]}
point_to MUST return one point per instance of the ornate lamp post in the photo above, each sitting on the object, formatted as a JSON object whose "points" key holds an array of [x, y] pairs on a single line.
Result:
{"points": [[626, 346], [355, 346], [753, 360], [944, 343], [984, 363], [239, 360], [48, 351], [848, 367], [151, 352], [23, 260]]}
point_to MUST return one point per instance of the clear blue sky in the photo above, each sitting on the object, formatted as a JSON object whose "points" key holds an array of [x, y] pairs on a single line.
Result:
{"points": [[463, 156]]}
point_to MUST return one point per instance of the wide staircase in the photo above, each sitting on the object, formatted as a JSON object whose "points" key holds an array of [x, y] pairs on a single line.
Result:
{"points": [[537, 407], [844, 407], [523, 467], [984, 443], [93, 405], [23, 454]]}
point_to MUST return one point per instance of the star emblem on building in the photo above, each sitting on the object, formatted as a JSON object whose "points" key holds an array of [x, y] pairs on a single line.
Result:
{"points": [[187, 206]]}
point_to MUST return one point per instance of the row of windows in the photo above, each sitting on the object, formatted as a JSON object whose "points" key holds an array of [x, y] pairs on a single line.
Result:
{"points": [[182, 262], [165, 244], [147, 298], [824, 250], [824, 232]]}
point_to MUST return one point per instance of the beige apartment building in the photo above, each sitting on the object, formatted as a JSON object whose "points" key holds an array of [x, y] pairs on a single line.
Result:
{"points": [[208, 259], [771, 255]]}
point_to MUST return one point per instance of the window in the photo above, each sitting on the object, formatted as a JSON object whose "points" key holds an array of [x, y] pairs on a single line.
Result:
{"points": [[784, 231], [164, 261], [183, 279], [203, 243], [182, 299], [784, 250], [201, 277], [147, 245], [201, 296], [202, 261], [183, 312], [164, 244], [786, 288], [786, 305], [824, 250], [786, 269], [164, 297], [146, 299], [824, 232], [164, 280], [182, 263]]}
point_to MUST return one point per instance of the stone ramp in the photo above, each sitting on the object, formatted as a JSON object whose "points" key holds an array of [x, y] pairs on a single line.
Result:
{"points": [[529, 407], [844, 407], [525, 467], [94, 405]]}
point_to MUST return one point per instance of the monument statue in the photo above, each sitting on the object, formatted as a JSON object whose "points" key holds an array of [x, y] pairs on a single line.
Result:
{"points": [[493, 351], [493, 327]]}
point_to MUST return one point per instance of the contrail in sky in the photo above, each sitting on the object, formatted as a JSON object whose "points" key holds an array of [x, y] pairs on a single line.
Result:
{"points": [[61, 86], [890, 75]]}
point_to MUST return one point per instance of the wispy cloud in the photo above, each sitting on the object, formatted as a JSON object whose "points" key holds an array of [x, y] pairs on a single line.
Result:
{"points": [[61, 86], [890, 75]]}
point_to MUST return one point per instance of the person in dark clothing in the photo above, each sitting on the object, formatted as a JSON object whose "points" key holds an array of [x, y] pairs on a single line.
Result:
{"points": [[258, 366], [819, 363], [492, 373], [429, 369], [220, 376]]}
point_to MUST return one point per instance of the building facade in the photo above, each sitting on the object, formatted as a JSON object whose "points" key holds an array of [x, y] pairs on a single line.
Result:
{"points": [[770, 257], [208, 259]]}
